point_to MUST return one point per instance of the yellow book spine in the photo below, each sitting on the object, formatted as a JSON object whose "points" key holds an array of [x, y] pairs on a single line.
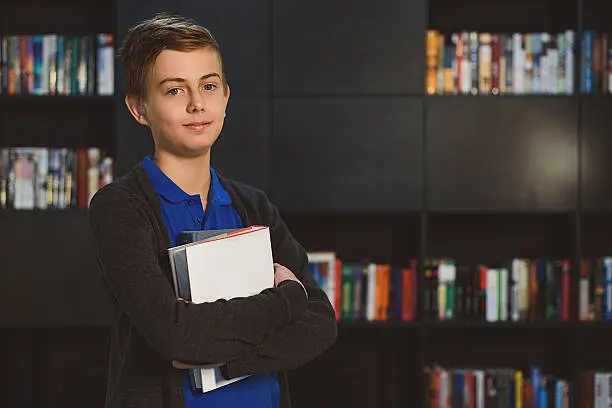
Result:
{"points": [[518, 389]]}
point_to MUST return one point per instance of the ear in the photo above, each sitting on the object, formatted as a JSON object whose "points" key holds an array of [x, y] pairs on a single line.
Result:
{"points": [[137, 110], [226, 98]]}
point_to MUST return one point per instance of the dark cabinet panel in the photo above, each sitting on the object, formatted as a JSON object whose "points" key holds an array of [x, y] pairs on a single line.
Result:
{"points": [[339, 378], [596, 15], [50, 277], [501, 345], [134, 141], [243, 148], [57, 121], [382, 238], [328, 47], [500, 16], [596, 240], [501, 154], [66, 17], [596, 151], [353, 154], [494, 238]]}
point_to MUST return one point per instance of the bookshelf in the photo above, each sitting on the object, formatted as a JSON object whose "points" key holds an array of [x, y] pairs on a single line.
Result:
{"points": [[335, 124], [49, 288]]}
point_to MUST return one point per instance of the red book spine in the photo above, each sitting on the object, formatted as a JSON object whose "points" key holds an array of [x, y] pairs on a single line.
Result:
{"points": [[496, 53]]}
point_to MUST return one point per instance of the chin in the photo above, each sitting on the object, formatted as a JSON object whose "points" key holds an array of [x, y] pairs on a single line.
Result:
{"points": [[198, 147], [192, 151]]}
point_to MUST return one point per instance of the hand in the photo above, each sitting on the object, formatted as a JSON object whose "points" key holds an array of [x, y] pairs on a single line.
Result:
{"points": [[183, 366], [281, 274]]}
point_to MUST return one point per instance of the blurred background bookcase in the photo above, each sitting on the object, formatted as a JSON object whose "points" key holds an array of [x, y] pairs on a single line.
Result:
{"points": [[330, 116]]}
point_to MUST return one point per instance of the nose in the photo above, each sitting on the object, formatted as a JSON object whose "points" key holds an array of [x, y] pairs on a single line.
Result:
{"points": [[195, 104]]}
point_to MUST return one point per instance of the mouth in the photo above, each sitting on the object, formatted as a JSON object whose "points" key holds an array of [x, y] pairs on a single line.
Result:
{"points": [[197, 126]]}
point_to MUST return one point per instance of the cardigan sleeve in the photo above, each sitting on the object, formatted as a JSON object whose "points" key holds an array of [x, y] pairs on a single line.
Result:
{"points": [[307, 336], [191, 333]]}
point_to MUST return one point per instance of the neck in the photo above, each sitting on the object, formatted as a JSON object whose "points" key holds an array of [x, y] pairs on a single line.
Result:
{"points": [[191, 174]]}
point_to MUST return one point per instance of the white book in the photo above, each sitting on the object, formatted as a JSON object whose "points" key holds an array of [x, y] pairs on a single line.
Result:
{"points": [[371, 306], [234, 264], [492, 295], [479, 388], [514, 300]]}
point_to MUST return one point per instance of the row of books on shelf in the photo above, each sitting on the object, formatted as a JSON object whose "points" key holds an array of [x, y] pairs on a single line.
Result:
{"points": [[366, 291], [499, 387], [519, 290], [597, 62], [595, 289], [504, 387], [52, 178], [596, 389], [52, 64], [484, 63]]}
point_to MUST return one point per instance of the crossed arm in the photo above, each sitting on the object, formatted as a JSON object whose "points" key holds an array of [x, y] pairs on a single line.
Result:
{"points": [[277, 329]]}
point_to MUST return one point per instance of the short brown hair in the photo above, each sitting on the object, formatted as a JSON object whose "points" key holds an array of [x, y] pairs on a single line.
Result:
{"points": [[146, 40]]}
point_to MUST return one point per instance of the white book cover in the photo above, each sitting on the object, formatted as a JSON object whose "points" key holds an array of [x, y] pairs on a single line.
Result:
{"points": [[237, 264]]}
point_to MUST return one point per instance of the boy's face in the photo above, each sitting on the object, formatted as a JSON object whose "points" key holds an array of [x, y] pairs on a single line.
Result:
{"points": [[185, 104]]}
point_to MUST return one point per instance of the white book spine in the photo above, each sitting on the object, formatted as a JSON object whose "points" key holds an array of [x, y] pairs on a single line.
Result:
{"points": [[480, 388], [503, 294], [569, 62], [491, 295], [371, 306], [515, 291], [518, 63]]}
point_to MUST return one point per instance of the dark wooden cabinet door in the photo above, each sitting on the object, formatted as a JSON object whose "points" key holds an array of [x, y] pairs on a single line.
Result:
{"points": [[501, 153], [596, 153], [243, 148], [50, 278], [347, 154], [327, 47]]}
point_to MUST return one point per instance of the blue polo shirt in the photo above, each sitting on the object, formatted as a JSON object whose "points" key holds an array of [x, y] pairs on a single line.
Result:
{"points": [[182, 212]]}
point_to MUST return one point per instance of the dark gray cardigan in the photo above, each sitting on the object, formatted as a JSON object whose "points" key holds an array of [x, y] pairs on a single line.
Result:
{"points": [[271, 332]]}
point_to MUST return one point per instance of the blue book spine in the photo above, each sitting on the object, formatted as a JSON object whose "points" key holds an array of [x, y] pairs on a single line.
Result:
{"points": [[607, 263], [536, 382], [588, 39], [37, 43], [543, 397], [559, 394]]}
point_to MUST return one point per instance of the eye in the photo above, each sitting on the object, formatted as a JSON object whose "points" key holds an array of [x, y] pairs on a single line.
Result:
{"points": [[173, 91], [210, 87]]}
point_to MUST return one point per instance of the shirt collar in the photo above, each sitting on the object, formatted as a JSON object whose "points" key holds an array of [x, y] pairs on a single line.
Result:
{"points": [[217, 194], [165, 187]]}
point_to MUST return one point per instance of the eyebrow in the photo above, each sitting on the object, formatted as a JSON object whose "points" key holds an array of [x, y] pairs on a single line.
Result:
{"points": [[183, 80]]}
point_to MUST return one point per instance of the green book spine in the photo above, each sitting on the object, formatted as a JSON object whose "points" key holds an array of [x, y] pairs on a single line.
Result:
{"points": [[348, 284]]}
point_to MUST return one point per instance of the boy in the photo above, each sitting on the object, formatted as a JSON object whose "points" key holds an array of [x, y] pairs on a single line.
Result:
{"points": [[176, 85]]}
